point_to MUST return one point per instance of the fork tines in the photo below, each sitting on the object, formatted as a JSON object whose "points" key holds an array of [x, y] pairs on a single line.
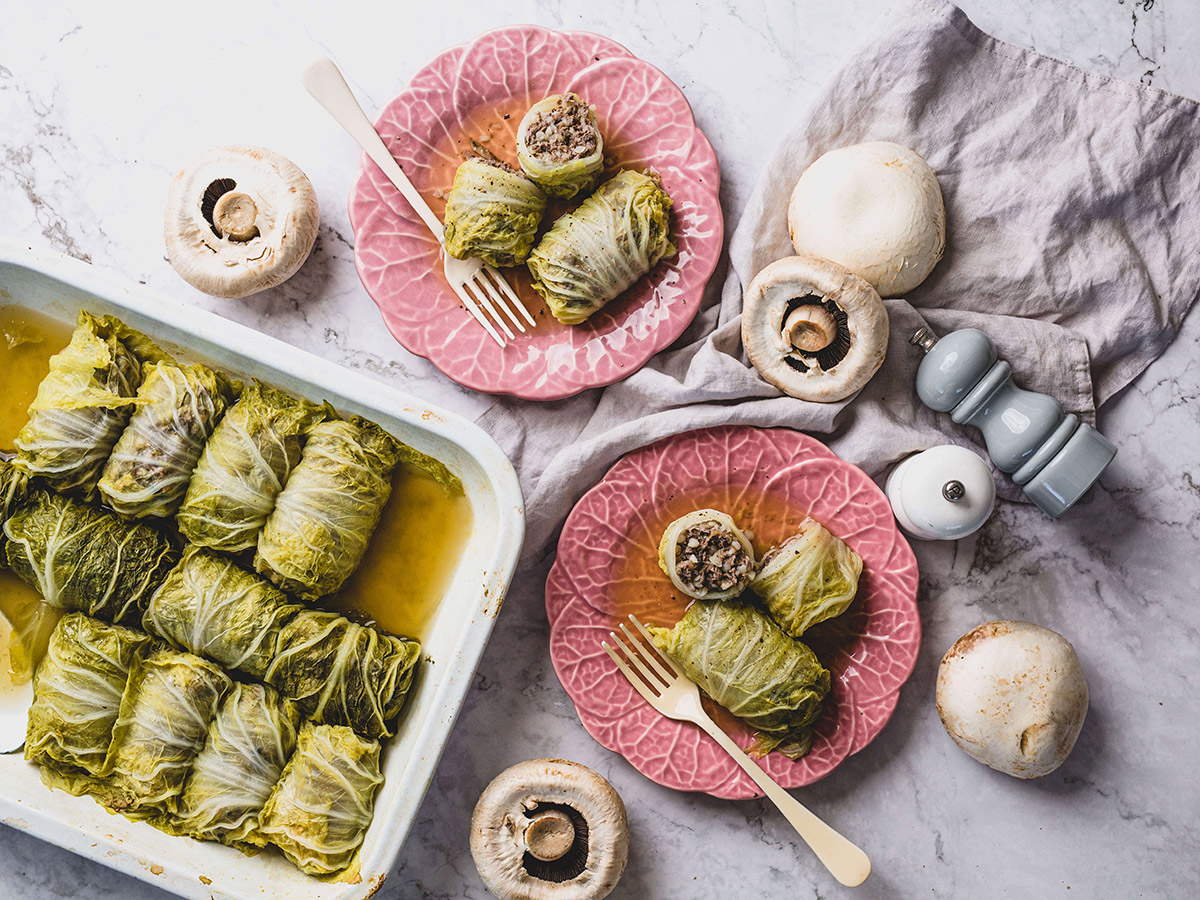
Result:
{"points": [[488, 290], [655, 676]]}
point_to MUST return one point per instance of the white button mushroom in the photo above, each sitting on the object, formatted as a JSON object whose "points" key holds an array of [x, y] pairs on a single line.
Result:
{"points": [[814, 329], [876, 209], [1013, 696], [239, 220], [549, 829]]}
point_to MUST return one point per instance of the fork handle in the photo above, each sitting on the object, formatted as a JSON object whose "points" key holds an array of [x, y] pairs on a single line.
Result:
{"points": [[844, 860], [324, 81]]}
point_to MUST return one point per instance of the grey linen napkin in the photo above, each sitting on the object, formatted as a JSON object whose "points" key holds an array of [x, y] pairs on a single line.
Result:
{"points": [[1073, 211]]}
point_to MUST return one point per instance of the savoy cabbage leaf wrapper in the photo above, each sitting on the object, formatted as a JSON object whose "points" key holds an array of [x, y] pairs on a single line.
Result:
{"points": [[319, 811], [152, 462], [87, 559], [84, 403], [244, 466], [594, 254], [343, 673], [559, 145], [14, 489], [493, 213], [164, 720], [325, 515], [741, 659], [210, 606], [77, 693], [810, 577], [248, 744]]}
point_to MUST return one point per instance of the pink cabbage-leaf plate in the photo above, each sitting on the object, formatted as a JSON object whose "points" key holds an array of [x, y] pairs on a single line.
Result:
{"points": [[480, 91], [769, 480]]}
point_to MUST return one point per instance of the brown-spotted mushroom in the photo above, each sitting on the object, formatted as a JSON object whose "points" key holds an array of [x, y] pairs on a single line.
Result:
{"points": [[549, 829], [813, 328], [1013, 696], [876, 209], [239, 220]]}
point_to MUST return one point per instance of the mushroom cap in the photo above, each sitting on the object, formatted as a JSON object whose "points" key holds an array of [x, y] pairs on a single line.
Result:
{"points": [[1013, 696], [271, 226], [538, 791], [765, 311], [877, 209]]}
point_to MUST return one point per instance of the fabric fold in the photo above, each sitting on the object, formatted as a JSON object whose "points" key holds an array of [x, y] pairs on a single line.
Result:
{"points": [[1073, 217]]}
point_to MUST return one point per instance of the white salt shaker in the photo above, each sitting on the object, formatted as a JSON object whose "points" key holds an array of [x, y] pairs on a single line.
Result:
{"points": [[942, 494]]}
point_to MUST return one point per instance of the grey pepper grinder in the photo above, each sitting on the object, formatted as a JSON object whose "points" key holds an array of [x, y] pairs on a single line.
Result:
{"points": [[1054, 457]]}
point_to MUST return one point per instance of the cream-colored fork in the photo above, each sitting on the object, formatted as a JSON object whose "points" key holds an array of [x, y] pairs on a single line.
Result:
{"points": [[478, 285], [670, 692]]}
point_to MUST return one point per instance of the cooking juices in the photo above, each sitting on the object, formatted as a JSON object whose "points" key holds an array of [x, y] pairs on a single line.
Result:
{"points": [[399, 584]]}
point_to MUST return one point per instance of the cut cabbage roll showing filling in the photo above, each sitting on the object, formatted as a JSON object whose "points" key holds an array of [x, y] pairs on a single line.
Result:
{"points": [[248, 744], [77, 693], [152, 462], [493, 212], [14, 490], [210, 606], [559, 145], [741, 659], [319, 811], [164, 720], [343, 673], [810, 577], [594, 254], [83, 404], [706, 555], [244, 466], [87, 559], [325, 516]]}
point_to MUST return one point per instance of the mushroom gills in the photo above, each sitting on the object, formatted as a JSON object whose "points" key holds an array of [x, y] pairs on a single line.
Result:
{"points": [[571, 863], [827, 356], [208, 203]]}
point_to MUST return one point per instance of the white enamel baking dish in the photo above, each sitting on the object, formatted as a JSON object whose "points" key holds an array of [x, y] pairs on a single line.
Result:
{"points": [[59, 286]]}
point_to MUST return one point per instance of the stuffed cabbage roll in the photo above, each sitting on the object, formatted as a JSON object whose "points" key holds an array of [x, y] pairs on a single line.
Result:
{"points": [[492, 212], [164, 720], [324, 517], [810, 577], [243, 468], [559, 145], [250, 741], [87, 559], [343, 673], [741, 659], [706, 556], [83, 404], [212, 607], [594, 254], [152, 462], [77, 693], [14, 489], [319, 811]]}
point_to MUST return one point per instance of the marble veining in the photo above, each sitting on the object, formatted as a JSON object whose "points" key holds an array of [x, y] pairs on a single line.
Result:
{"points": [[100, 108]]}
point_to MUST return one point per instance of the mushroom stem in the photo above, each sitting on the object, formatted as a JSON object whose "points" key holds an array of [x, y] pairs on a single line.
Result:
{"points": [[234, 216], [550, 835], [810, 328]]}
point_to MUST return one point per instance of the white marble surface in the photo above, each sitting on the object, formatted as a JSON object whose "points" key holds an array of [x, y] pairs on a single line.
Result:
{"points": [[100, 107]]}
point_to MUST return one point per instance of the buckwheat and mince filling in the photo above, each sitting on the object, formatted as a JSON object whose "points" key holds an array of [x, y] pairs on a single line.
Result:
{"points": [[563, 132], [708, 557]]}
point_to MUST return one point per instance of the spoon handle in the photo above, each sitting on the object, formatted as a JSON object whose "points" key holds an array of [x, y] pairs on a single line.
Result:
{"points": [[844, 859], [324, 81]]}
